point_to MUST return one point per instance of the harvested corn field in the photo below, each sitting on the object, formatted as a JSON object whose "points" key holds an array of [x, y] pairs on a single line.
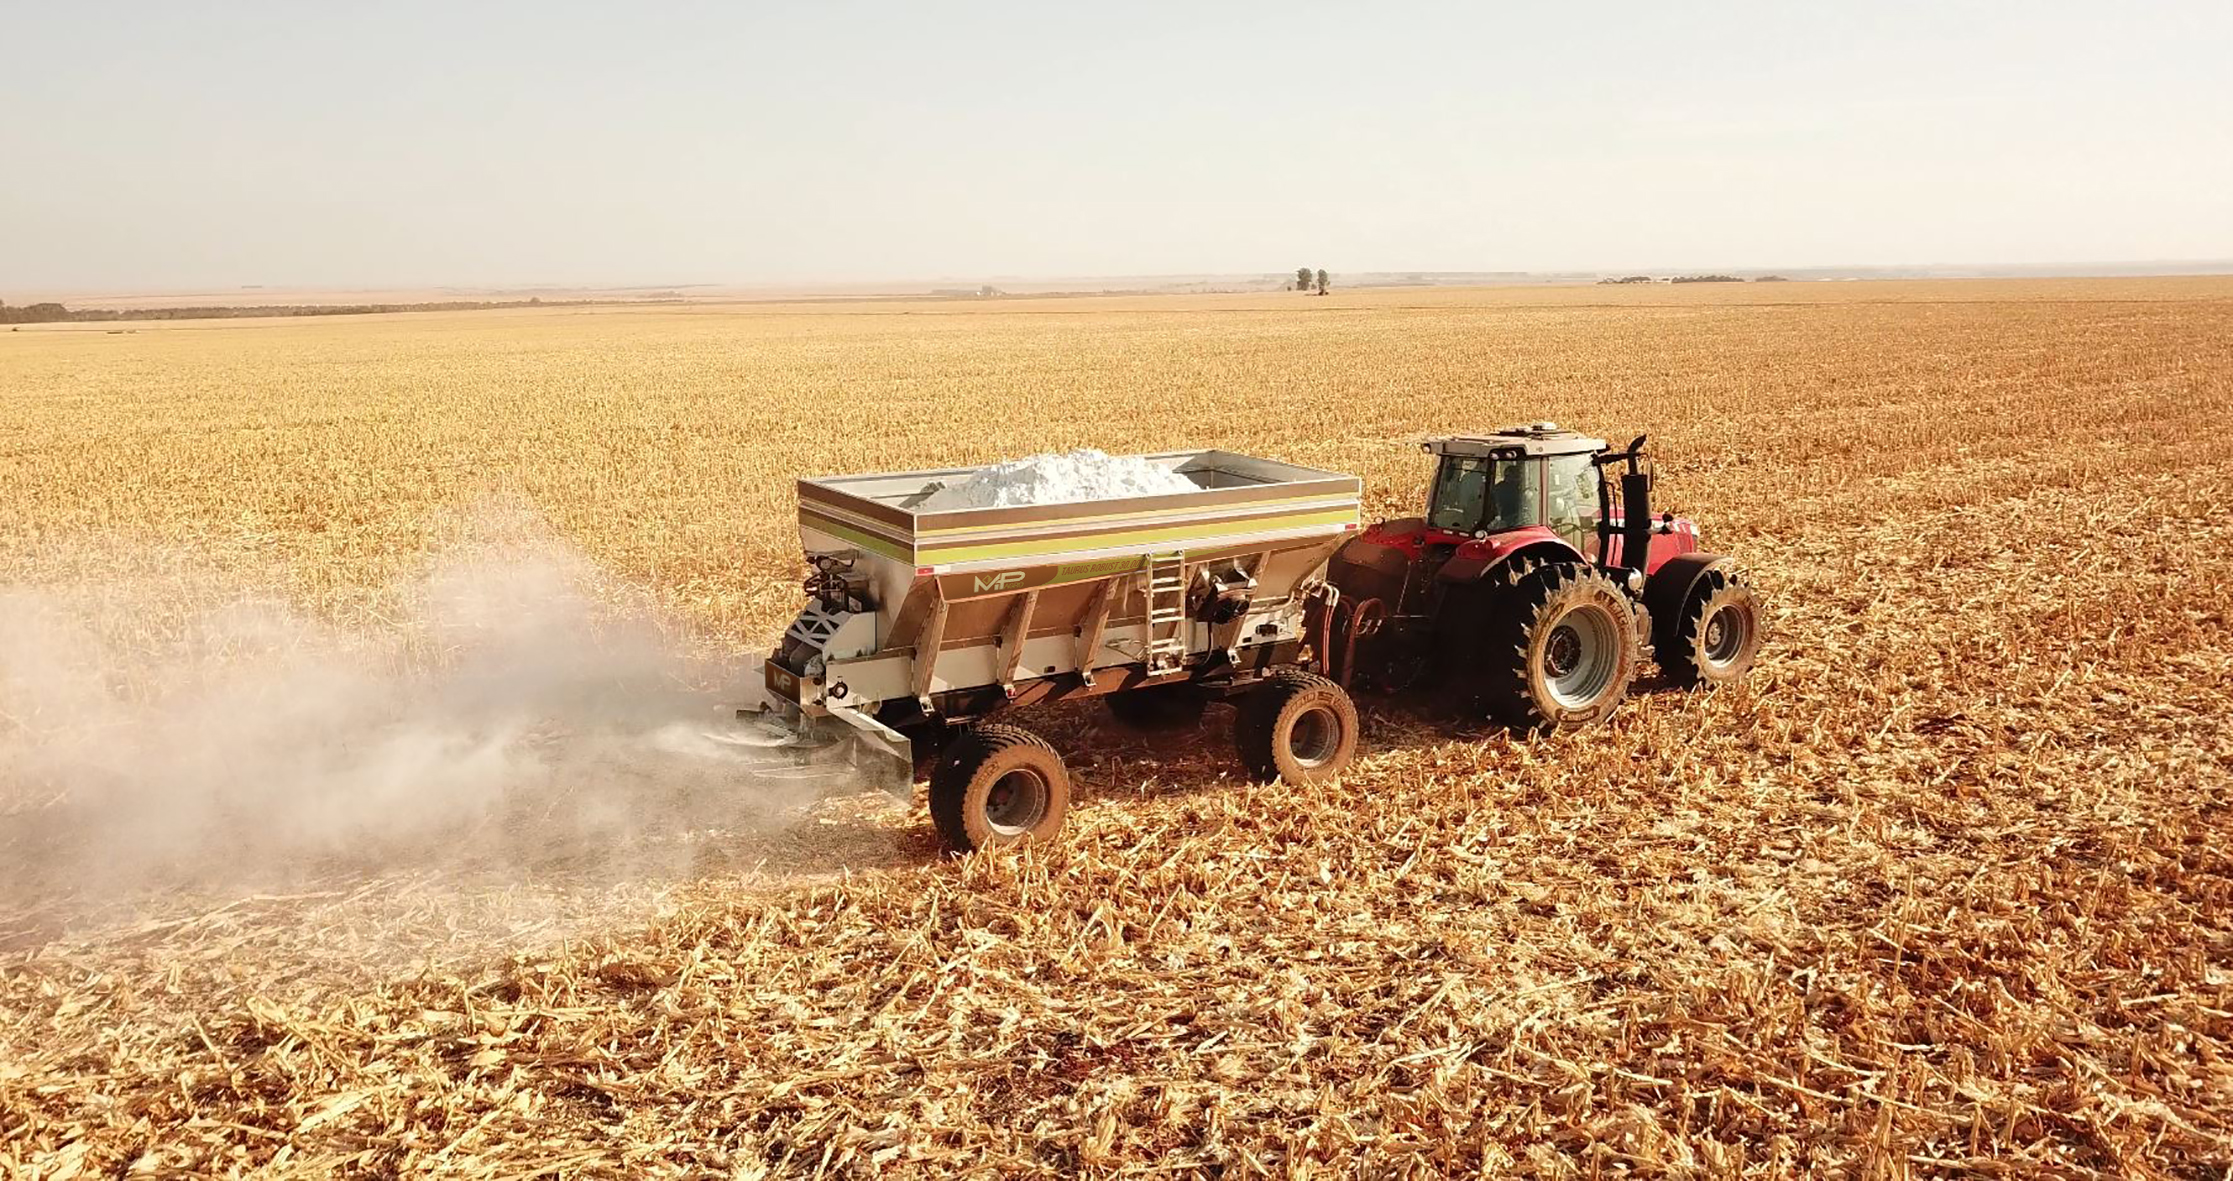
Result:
{"points": [[1945, 888]]}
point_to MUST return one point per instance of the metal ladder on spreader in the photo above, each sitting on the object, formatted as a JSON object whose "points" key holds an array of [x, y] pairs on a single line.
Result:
{"points": [[1166, 646]]}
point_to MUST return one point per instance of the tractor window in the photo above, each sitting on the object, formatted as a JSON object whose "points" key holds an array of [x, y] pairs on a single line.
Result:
{"points": [[1489, 494], [1574, 508], [1517, 497], [1458, 494]]}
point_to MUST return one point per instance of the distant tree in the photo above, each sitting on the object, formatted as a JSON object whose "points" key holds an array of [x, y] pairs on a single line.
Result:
{"points": [[1302, 278], [1321, 280], [38, 313]]}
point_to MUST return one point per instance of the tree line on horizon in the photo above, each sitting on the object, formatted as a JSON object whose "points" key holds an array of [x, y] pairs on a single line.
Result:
{"points": [[1627, 279], [54, 313]]}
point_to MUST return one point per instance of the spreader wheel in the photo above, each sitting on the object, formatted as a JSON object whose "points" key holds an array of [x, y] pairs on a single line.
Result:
{"points": [[1715, 637], [1297, 727], [1248, 716], [996, 785], [1561, 649], [1158, 707]]}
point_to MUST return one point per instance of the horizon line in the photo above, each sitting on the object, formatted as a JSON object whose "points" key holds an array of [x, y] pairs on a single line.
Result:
{"points": [[2167, 267]]}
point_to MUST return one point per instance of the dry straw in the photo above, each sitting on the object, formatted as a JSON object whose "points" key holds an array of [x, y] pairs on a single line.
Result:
{"points": [[1945, 890]]}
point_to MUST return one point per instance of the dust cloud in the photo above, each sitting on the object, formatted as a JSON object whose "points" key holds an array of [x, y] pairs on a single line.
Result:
{"points": [[516, 720]]}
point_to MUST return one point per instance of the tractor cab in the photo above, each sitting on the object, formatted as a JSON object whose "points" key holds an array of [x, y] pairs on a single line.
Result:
{"points": [[1517, 478], [1535, 582]]}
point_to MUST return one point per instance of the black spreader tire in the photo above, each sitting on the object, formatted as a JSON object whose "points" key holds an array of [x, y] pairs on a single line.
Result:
{"points": [[1560, 650], [1158, 707], [1247, 718], [1297, 727], [997, 785], [1716, 635]]}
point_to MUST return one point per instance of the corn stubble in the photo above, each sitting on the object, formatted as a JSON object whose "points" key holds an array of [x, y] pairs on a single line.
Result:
{"points": [[1945, 889]]}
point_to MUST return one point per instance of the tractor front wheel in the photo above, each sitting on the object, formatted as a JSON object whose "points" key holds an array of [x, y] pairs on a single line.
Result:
{"points": [[1297, 727], [997, 785], [1561, 649], [1715, 637]]}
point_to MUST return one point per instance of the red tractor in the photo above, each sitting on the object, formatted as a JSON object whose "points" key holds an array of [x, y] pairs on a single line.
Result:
{"points": [[1536, 585]]}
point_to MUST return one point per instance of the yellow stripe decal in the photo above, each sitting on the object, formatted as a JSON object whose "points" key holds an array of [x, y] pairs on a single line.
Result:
{"points": [[1118, 538], [871, 543], [843, 516]]}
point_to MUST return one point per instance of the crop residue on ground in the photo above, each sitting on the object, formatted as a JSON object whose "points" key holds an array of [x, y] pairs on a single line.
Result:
{"points": [[1946, 889]]}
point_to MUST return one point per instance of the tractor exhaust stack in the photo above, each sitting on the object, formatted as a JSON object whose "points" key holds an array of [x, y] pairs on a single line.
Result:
{"points": [[1635, 517]]}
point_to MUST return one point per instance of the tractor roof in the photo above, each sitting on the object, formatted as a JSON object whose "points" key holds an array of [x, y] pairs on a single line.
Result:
{"points": [[1540, 438]]}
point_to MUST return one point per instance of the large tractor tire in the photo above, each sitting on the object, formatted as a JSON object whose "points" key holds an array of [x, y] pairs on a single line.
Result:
{"points": [[1713, 639], [1298, 727], [1560, 649], [1158, 707], [997, 785], [1465, 616]]}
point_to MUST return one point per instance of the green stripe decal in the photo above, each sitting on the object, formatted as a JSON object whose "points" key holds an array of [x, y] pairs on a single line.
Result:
{"points": [[1118, 538], [867, 541]]}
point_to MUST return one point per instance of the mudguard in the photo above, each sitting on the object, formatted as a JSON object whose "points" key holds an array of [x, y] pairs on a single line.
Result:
{"points": [[1669, 587], [1377, 563], [1475, 559]]}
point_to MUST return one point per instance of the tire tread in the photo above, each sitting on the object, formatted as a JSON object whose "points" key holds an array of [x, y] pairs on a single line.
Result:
{"points": [[1503, 686], [958, 764], [1259, 713], [1678, 654]]}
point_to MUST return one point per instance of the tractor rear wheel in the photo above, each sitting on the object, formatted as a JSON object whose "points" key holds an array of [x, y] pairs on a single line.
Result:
{"points": [[1297, 727], [1716, 635], [1158, 707], [996, 785], [1561, 649]]}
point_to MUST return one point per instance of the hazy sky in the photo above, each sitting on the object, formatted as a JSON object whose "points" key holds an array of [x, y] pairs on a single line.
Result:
{"points": [[175, 146]]}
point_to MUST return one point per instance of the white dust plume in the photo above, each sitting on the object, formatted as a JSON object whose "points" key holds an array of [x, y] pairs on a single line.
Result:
{"points": [[513, 719]]}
